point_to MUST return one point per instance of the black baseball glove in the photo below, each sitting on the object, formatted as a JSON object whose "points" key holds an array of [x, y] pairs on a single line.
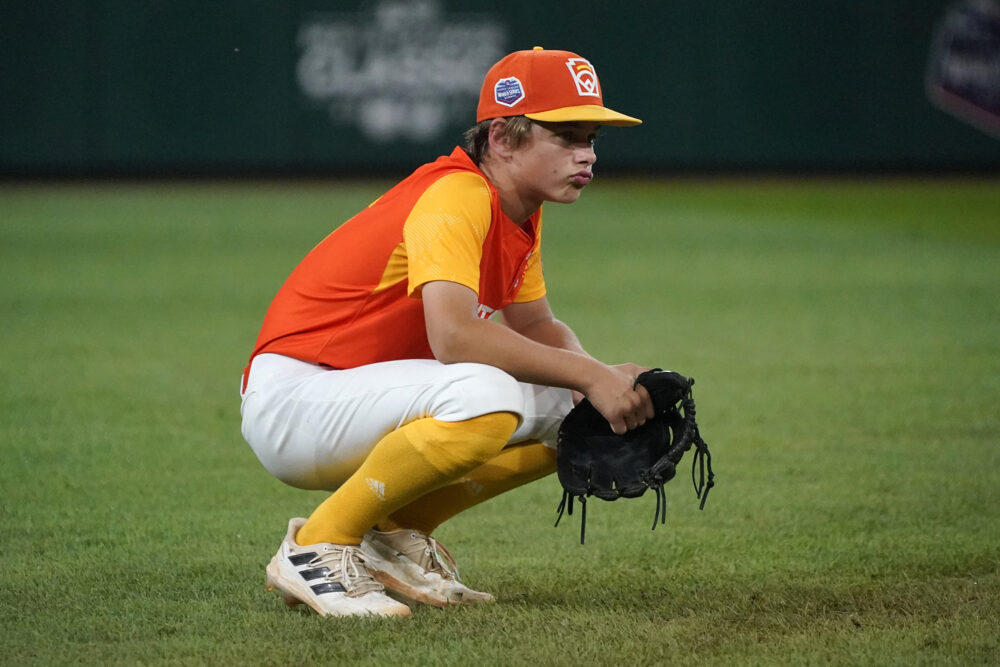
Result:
{"points": [[592, 460]]}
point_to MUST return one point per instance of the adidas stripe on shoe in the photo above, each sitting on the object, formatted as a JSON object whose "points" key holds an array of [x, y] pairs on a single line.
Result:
{"points": [[331, 578]]}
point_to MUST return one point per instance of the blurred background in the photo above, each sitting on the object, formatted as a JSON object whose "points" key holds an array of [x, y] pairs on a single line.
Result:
{"points": [[231, 87]]}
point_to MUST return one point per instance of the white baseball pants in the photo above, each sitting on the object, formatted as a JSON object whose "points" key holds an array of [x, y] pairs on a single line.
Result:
{"points": [[311, 427]]}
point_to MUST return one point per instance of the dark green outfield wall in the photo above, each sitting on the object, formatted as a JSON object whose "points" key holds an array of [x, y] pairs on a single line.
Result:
{"points": [[112, 86]]}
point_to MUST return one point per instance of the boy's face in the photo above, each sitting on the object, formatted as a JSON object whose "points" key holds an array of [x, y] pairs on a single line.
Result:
{"points": [[557, 161]]}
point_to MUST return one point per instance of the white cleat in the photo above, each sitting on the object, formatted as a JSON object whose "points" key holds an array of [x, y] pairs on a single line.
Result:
{"points": [[417, 567], [330, 578]]}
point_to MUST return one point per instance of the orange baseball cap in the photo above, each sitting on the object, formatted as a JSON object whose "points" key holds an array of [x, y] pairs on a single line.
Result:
{"points": [[554, 86]]}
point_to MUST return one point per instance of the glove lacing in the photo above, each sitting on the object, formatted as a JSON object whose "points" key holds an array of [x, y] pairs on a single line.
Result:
{"points": [[703, 460], [566, 504]]}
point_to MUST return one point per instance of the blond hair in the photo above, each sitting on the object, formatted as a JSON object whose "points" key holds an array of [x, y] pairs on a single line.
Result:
{"points": [[515, 132]]}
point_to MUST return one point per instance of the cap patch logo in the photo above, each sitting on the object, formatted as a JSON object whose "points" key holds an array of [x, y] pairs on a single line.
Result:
{"points": [[584, 77], [509, 91]]}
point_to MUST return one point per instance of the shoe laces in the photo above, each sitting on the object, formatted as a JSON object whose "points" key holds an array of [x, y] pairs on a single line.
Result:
{"points": [[432, 556], [347, 567]]}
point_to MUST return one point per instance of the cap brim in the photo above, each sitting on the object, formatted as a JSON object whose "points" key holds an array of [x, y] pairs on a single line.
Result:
{"points": [[591, 113]]}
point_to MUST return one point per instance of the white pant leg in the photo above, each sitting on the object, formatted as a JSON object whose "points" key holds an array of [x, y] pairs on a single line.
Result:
{"points": [[311, 427], [544, 409]]}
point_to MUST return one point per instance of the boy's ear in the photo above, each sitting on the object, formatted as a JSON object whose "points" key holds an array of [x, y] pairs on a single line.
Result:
{"points": [[499, 139]]}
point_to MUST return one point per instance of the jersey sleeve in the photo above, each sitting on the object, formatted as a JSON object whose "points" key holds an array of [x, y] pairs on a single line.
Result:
{"points": [[445, 232]]}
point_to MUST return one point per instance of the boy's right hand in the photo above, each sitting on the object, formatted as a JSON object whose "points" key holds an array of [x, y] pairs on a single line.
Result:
{"points": [[617, 397]]}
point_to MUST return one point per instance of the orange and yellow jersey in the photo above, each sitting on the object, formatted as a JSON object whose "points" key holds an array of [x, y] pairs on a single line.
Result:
{"points": [[355, 298]]}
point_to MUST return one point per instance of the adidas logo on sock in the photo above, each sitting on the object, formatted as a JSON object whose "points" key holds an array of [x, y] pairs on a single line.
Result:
{"points": [[473, 487], [377, 487]]}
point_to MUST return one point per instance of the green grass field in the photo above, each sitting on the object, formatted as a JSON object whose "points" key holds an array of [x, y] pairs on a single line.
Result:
{"points": [[845, 336]]}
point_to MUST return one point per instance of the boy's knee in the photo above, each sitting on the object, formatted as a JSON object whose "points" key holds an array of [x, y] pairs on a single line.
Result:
{"points": [[457, 447], [479, 389]]}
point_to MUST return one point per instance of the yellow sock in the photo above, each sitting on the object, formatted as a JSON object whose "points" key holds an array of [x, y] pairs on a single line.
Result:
{"points": [[514, 466], [403, 466]]}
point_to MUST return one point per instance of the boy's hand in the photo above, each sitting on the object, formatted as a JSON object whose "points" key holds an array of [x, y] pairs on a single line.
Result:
{"points": [[617, 397]]}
